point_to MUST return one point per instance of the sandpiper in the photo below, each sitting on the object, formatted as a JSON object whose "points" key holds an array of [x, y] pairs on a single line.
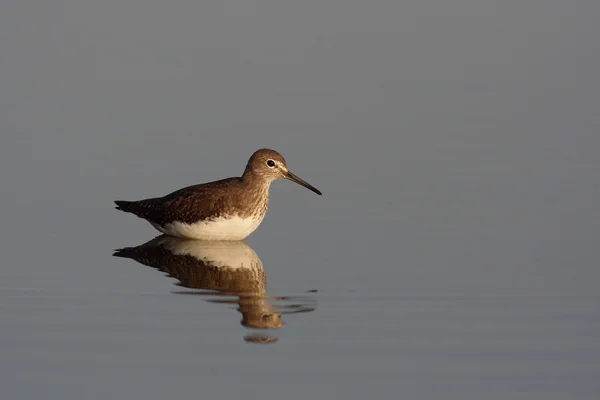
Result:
{"points": [[228, 209]]}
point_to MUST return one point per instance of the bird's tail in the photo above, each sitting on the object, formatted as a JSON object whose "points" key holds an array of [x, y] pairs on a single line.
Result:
{"points": [[125, 252], [123, 205]]}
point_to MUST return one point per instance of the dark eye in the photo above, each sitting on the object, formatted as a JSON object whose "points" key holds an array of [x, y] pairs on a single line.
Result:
{"points": [[270, 163]]}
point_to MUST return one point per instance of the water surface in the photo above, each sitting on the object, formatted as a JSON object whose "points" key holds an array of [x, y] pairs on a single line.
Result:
{"points": [[453, 254]]}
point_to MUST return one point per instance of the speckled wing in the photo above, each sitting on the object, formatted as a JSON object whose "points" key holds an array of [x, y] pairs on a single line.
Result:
{"points": [[188, 205]]}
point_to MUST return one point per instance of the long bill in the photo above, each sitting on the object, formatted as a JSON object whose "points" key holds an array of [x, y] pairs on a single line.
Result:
{"points": [[302, 182]]}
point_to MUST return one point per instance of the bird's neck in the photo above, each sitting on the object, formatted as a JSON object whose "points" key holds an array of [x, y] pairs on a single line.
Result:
{"points": [[252, 180], [256, 191]]}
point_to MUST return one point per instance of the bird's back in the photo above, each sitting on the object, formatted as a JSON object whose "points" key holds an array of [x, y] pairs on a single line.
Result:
{"points": [[187, 205]]}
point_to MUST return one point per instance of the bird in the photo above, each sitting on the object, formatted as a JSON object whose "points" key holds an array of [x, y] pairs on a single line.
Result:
{"points": [[226, 209]]}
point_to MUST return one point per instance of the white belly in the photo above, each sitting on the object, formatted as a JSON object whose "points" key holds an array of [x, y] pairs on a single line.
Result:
{"points": [[231, 228]]}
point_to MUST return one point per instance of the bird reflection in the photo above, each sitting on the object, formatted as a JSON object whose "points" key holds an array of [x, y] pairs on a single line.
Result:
{"points": [[228, 272]]}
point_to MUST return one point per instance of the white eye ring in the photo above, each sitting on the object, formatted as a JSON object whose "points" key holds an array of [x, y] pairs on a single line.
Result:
{"points": [[270, 163]]}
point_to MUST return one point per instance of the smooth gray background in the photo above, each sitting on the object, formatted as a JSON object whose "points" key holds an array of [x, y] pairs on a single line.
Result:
{"points": [[455, 248]]}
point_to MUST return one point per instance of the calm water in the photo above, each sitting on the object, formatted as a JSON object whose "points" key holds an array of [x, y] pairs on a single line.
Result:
{"points": [[453, 254]]}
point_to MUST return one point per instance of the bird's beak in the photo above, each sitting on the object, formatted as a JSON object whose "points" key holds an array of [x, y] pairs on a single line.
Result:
{"points": [[294, 178]]}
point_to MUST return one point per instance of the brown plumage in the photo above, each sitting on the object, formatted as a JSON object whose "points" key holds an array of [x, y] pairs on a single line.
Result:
{"points": [[245, 198]]}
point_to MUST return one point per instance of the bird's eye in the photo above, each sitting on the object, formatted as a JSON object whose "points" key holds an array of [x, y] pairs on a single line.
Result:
{"points": [[270, 163]]}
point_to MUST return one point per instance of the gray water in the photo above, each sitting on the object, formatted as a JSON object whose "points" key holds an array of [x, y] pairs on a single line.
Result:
{"points": [[453, 254]]}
